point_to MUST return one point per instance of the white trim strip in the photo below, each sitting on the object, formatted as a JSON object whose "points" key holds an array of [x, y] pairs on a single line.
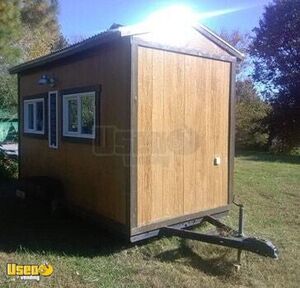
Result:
{"points": [[51, 93]]}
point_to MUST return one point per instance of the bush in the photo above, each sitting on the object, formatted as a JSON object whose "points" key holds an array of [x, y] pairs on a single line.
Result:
{"points": [[8, 167]]}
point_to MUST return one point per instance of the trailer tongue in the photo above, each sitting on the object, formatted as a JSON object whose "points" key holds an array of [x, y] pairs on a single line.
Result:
{"points": [[226, 236]]}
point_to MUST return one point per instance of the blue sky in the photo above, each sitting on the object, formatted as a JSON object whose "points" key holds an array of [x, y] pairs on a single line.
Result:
{"points": [[82, 18]]}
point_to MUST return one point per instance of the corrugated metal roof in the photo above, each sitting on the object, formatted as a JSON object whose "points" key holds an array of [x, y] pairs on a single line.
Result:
{"points": [[88, 43], [110, 35]]}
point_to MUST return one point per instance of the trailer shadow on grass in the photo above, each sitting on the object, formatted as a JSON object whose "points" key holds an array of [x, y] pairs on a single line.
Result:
{"points": [[214, 266], [32, 229]]}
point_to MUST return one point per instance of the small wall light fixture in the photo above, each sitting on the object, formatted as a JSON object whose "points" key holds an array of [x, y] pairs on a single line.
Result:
{"points": [[47, 80]]}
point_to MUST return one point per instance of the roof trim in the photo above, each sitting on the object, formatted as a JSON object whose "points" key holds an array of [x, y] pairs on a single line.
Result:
{"points": [[219, 41], [91, 42], [111, 35]]}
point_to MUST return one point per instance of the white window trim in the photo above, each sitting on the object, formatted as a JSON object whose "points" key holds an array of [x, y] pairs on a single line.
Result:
{"points": [[26, 103], [77, 96], [49, 117]]}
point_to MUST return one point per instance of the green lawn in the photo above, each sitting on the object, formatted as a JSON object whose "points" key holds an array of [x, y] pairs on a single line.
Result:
{"points": [[82, 256]]}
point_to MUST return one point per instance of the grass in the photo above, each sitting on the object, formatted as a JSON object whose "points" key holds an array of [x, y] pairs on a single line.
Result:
{"points": [[83, 255]]}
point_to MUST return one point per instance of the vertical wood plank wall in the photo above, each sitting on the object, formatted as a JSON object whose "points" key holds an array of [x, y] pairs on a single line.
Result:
{"points": [[183, 117], [97, 182]]}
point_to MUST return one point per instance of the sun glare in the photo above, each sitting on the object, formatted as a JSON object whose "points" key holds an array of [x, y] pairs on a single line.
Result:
{"points": [[173, 16], [173, 24], [182, 15]]}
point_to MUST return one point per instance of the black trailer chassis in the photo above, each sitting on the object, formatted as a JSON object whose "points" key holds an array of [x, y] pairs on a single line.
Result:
{"points": [[226, 236]]}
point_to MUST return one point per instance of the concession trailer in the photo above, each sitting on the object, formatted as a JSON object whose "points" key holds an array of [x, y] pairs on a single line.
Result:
{"points": [[138, 127]]}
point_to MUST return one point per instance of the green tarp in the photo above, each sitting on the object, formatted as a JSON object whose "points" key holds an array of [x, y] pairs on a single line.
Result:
{"points": [[8, 127], [8, 130]]}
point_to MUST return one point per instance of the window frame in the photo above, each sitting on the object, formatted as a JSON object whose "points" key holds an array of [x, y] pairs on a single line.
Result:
{"points": [[65, 119], [26, 103]]}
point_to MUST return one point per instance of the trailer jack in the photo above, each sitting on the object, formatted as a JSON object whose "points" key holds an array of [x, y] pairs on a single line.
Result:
{"points": [[226, 236]]}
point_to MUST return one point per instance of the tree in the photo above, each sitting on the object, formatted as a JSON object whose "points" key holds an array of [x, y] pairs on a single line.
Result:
{"points": [[251, 111], [10, 33], [276, 53], [10, 29], [8, 93], [40, 25], [28, 29], [240, 41], [251, 115]]}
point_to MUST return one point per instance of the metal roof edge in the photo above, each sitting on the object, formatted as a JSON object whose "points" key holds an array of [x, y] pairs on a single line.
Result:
{"points": [[219, 41], [91, 42], [111, 35]]}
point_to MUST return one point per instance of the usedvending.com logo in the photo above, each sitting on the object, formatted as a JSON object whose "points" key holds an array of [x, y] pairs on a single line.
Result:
{"points": [[29, 272]]}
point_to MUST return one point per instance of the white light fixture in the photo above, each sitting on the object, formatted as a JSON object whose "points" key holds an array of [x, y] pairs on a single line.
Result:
{"points": [[46, 80], [43, 80]]}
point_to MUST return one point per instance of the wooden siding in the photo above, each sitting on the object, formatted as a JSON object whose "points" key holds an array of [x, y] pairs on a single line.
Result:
{"points": [[183, 117], [192, 39], [96, 177]]}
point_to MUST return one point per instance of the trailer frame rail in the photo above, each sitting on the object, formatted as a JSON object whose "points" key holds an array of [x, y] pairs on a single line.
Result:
{"points": [[226, 236]]}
